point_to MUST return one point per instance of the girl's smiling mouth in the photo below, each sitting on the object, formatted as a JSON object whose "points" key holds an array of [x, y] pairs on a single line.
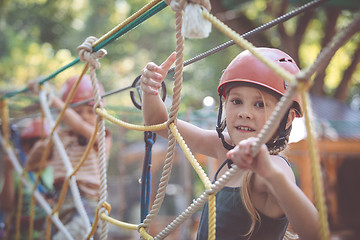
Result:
{"points": [[244, 128]]}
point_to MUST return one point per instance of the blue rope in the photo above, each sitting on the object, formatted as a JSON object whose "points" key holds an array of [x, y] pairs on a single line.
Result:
{"points": [[149, 138]]}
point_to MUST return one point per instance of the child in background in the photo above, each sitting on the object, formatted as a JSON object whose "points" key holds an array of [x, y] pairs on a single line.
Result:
{"points": [[31, 138], [270, 198], [79, 125]]}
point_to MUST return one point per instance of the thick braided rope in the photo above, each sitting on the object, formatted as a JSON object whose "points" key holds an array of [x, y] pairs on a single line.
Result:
{"points": [[92, 58], [103, 113], [172, 118], [327, 53], [195, 164], [315, 168], [206, 181]]}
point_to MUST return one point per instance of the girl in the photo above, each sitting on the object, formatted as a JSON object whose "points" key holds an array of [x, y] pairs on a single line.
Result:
{"points": [[269, 198]]}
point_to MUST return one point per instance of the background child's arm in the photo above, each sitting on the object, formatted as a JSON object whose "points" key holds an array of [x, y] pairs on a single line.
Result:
{"points": [[72, 119]]}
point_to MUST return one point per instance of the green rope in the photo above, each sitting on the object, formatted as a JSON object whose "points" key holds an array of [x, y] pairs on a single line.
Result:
{"points": [[112, 38]]}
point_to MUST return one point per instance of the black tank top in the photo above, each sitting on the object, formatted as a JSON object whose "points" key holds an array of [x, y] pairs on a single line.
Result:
{"points": [[233, 221]]}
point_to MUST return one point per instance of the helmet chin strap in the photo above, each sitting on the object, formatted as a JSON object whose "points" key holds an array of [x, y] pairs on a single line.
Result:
{"points": [[220, 126], [282, 132]]}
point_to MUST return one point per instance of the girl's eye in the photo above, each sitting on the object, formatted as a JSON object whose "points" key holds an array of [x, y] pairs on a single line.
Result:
{"points": [[236, 101], [260, 104]]}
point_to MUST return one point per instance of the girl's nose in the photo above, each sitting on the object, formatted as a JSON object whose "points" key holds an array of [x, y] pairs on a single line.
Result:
{"points": [[245, 113]]}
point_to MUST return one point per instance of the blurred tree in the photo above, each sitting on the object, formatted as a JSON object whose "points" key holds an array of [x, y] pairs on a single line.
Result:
{"points": [[311, 30], [40, 36]]}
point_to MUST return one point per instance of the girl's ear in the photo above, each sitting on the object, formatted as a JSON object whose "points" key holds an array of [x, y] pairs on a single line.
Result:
{"points": [[291, 117]]}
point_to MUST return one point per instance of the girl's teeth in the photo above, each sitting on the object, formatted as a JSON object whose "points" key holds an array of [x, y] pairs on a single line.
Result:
{"points": [[244, 128]]}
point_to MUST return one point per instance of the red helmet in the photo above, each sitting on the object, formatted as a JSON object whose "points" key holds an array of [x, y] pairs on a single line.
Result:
{"points": [[35, 129], [84, 90], [248, 68]]}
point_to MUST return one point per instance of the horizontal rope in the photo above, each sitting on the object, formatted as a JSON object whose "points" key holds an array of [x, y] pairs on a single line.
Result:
{"points": [[103, 113]]}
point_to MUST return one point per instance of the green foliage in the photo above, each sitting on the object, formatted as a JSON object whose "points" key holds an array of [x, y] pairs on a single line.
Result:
{"points": [[38, 37]]}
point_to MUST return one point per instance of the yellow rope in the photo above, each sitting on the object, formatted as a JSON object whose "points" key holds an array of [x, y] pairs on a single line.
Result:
{"points": [[5, 120], [19, 209], [144, 234], [212, 217], [86, 153], [118, 223], [316, 170], [48, 228], [107, 206], [206, 181], [69, 98], [103, 113], [249, 46], [32, 216], [61, 197], [42, 163]]}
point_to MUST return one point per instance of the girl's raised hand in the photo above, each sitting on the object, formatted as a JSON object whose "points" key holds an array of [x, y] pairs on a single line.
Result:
{"points": [[153, 75]]}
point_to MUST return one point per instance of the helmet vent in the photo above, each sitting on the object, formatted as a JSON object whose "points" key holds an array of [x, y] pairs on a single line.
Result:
{"points": [[285, 60]]}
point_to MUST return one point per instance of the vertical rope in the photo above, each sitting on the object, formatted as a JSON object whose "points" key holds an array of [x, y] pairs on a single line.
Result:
{"points": [[86, 55], [315, 169], [19, 209], [5, 120], [172, 118]]}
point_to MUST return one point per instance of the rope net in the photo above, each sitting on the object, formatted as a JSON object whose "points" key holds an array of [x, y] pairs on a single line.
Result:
{"points": [[87, 53]]}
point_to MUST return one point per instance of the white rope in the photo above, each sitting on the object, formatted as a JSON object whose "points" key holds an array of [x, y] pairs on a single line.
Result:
{"points": [[86, 55], [65, 158], [39, 198]]}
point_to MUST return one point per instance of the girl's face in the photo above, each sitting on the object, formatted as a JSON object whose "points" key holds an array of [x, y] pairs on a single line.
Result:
{"points": [[87, 113], [247, 109]]}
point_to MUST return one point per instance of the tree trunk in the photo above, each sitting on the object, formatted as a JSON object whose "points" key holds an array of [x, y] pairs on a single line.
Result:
{"points": [[332, 15], [342, 91], [238, 22]]}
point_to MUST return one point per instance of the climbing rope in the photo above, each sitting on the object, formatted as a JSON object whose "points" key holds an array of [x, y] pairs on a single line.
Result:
{"points": [[299, 82]]}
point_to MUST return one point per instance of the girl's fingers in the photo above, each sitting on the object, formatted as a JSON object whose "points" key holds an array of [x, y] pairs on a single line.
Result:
{"points": [[152, 75], [165, 66]]}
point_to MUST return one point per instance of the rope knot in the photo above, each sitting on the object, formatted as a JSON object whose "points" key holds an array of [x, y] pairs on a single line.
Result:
{"points": [[209, 191], [86, 54], [103, 207]]}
